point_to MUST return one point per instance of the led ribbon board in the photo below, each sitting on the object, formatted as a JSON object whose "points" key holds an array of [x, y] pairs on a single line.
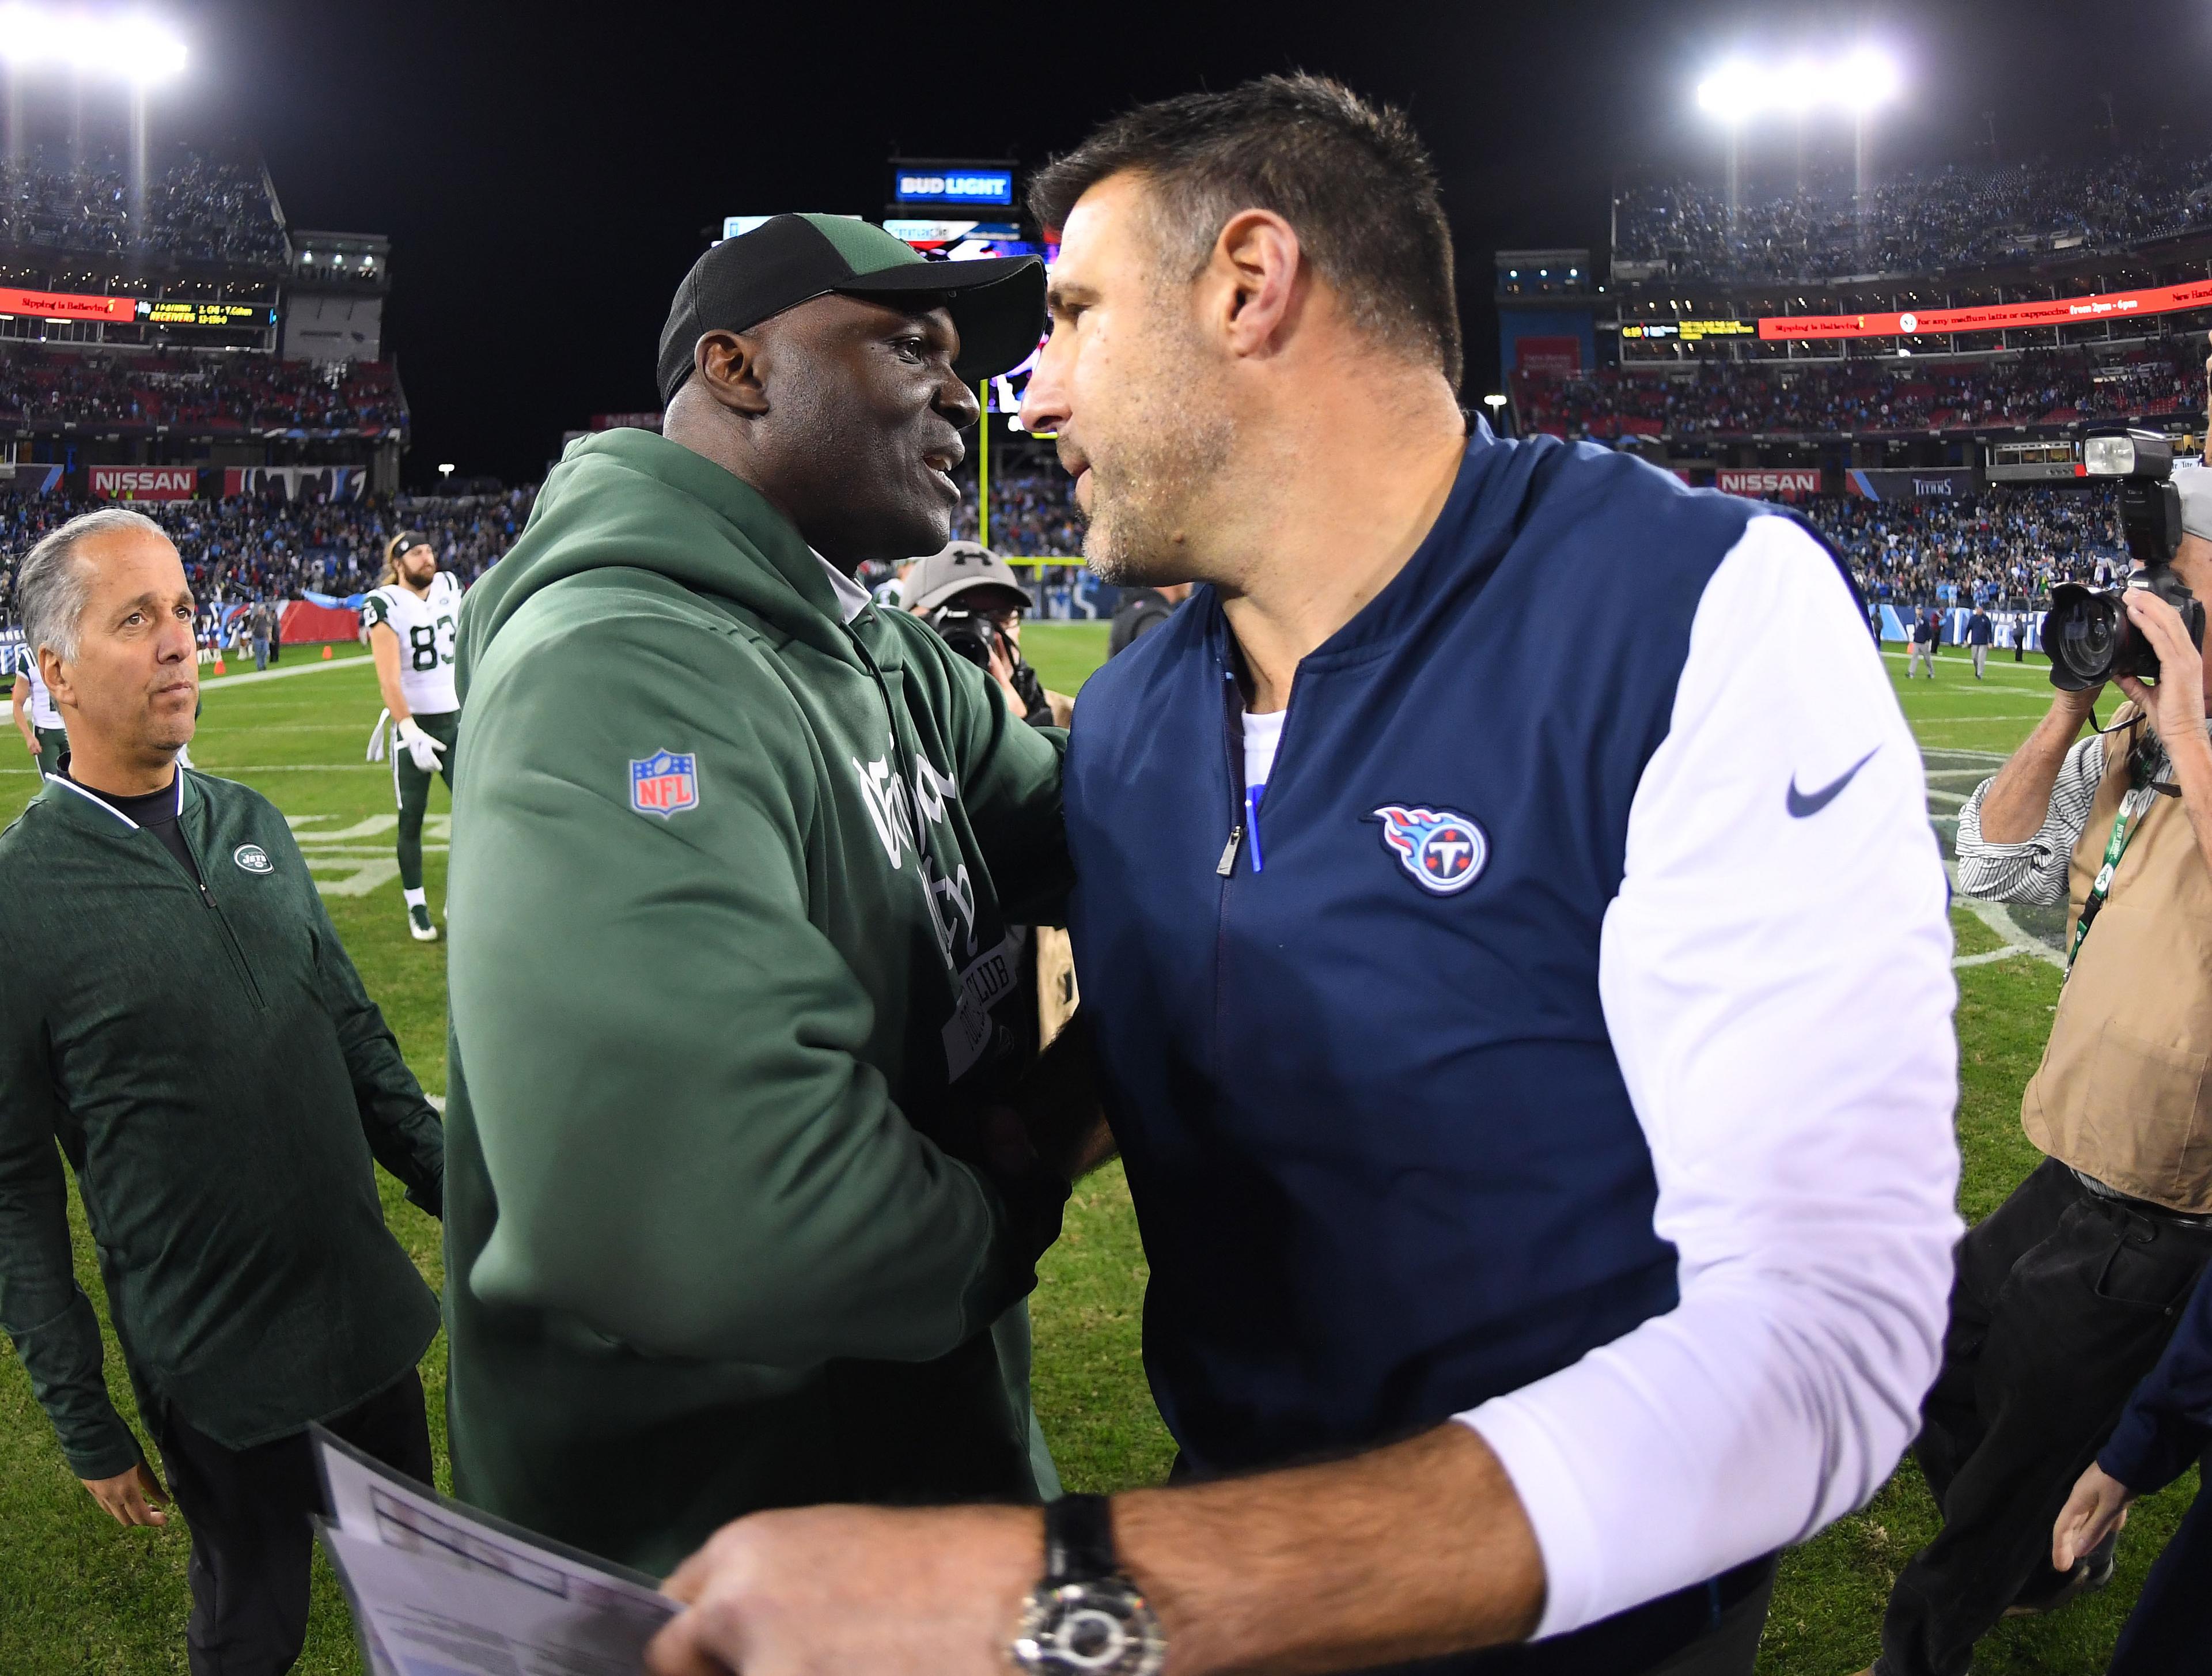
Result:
{"points": [[126, 310], [67, 306], [1995, 317]]}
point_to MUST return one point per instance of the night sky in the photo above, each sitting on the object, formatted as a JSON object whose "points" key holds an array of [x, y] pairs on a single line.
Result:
{"points": [[546, 173]]}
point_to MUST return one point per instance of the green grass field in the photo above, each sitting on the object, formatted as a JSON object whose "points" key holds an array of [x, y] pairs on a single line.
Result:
{"points": [[78, 1593]]}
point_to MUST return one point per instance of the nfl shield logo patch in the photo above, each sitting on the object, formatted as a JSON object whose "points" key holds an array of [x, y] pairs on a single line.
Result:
{"points": [[1444, 851], [664, 784]]}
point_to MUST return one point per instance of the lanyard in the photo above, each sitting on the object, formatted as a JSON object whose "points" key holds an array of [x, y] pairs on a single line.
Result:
{"points": [[2132, 807]]}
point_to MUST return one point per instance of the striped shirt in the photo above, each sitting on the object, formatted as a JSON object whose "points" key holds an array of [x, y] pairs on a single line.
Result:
{"points": [[2033, 871]]}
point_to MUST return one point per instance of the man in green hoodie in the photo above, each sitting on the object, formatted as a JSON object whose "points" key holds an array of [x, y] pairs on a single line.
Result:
{"points": [[735, 854]]}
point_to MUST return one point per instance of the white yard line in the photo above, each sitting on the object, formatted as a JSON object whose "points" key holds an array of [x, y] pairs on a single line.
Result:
{"points": [[313, 668], [1999, 919], [1956, 721]]}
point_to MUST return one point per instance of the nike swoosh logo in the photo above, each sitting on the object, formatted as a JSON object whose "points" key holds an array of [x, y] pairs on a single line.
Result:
{"points": [[1802, 803]]}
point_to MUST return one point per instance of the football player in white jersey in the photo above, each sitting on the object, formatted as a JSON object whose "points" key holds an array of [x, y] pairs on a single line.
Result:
{"points": [[36, 718], [411, 620]]}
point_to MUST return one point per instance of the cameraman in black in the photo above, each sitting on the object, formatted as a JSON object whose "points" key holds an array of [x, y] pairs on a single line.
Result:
{"points": [[2065, 1297], [969, 596]]}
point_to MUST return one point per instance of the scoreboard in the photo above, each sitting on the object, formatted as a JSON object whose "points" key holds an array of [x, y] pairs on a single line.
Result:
{"points": [[245, 316], [1688, 332]]}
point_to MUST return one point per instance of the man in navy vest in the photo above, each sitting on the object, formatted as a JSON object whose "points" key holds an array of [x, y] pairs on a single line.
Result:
{"points": [[1524, 1011]]}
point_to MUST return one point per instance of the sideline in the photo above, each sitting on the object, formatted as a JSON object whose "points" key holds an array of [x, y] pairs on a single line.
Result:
{"points": [[315, 666]]}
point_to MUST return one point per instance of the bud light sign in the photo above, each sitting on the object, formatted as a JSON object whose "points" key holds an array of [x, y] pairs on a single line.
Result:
{"points": [[952, 183]]}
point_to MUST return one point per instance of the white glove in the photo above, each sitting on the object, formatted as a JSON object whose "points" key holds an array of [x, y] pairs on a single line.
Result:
{"points": [[376, 736], [426, 751]]}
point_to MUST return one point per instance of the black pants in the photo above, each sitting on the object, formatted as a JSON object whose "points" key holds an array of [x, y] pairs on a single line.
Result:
{"points": [[2061, 1302], [251, 1544], [2171, 1627]]}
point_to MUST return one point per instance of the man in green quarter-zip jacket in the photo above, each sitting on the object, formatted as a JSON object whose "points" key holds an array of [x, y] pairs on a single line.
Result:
{"points": [[734, 858], [177, 1013]]}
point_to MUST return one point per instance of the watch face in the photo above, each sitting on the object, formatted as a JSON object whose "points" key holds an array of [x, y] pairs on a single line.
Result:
{"points": [[1101, 1627]]}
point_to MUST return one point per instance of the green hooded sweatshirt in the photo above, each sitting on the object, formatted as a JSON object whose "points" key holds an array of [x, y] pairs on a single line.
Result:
{"points": [[731, 883]]}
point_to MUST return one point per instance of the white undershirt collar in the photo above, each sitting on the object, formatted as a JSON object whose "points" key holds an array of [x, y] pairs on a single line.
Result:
{"points": [[851, 598]]}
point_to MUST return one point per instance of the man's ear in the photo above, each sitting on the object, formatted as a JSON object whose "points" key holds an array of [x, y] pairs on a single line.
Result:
{"points": [[54, 673], [1255, 278], [726, 365]]}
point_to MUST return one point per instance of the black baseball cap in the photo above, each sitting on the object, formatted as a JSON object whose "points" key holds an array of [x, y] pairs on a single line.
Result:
{"points": [[997, 302], [407, 540]]}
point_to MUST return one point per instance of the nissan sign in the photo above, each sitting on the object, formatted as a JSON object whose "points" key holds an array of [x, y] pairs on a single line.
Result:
{"points": [[1790, 480], [146, 483]]}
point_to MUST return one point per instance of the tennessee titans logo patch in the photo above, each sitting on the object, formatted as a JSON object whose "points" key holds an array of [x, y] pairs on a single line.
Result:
{"points": [[1444, 851], [664, 784]]}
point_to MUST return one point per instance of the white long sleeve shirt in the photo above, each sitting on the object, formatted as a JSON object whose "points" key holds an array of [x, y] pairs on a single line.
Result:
{"points": [[1777, 980]]}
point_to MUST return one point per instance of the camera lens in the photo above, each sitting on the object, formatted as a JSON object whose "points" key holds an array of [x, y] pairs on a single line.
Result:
{"points": [[2085, 634]]}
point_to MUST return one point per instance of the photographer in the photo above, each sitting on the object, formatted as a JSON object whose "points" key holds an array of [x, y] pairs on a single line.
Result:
{"points": [[2065, 1297], [969, 596]]}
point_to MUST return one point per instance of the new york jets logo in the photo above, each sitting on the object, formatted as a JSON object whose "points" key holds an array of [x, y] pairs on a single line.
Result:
{"points": [[251, 858]]}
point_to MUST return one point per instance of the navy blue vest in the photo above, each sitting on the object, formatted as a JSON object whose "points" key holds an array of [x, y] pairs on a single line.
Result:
{"points": [[1382, 1158]]}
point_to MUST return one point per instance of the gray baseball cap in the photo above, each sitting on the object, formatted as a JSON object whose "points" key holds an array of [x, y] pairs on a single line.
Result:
{"points": [[962, 567]]}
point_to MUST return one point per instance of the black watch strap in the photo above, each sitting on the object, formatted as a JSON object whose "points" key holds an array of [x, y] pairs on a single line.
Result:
{"points": [[1079, 1540]]}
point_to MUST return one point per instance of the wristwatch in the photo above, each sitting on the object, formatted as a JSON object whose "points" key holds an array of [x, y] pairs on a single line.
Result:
{"points": [[1086, 1618]]}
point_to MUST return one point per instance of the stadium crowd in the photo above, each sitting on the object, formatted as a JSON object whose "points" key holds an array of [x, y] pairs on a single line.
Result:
{"points": [[1916, 222], [248, 548], [1033, 514], [197, 206], [2005, 548], [178, 389], [2041, 386]]}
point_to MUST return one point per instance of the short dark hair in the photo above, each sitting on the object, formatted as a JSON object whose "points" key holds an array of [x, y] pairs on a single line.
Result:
{"points": [[1352, 178]]}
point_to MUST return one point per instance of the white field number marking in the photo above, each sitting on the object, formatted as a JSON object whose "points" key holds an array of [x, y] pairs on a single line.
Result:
{"points": [[361, 864]]}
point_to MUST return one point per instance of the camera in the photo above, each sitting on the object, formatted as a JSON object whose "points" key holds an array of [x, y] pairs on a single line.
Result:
{"points": [[2087, 631], [972, 634]]}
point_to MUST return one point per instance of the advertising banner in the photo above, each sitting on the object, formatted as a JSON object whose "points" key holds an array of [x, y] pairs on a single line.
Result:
{"points": [[296, 483], [1994, 317], [146, 483], [31, 479], [1758, 481], [1932, 483], [303, 623], [952, 183], [1559, 357], [67, 305]]}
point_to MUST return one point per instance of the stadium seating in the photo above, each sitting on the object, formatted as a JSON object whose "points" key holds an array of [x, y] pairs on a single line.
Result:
{"points": [[1917, 221], [2005, 548], [1725, 398], [243, 548], [127, 391], [197, 206], [1033, 514]]}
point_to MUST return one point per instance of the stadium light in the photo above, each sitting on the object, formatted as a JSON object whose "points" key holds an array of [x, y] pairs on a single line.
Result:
{"points": [[1738, 91], [134, 48]]}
